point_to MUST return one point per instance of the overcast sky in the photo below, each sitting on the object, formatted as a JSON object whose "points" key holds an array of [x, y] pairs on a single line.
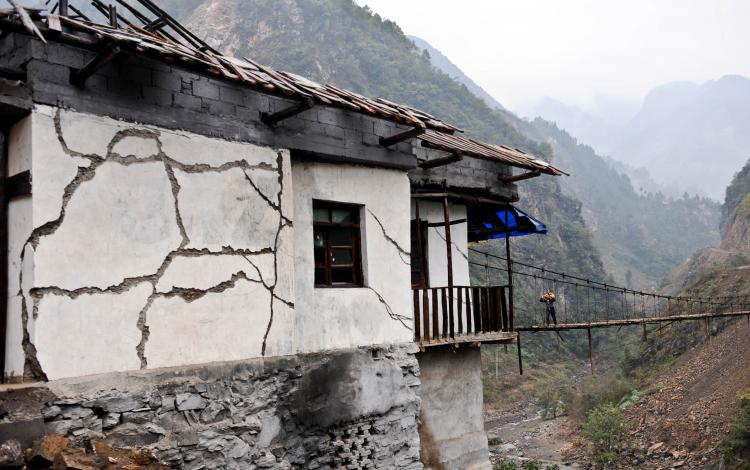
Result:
{"points": [[578, 50]]}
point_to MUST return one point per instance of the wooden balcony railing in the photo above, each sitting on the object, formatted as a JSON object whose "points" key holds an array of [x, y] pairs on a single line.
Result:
{"points": [[444, 315]]}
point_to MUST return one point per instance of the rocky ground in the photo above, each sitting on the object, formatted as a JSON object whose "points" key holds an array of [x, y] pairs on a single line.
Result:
{"points": [[687, 413], [689, 410], [60, 453], [522, 434]]}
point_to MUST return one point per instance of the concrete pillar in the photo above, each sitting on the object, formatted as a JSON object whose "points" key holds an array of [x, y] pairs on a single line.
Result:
{"points": [[451, 427]]}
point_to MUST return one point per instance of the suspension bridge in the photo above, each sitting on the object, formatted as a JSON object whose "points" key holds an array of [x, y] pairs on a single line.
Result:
{"points": [[501, 309]]}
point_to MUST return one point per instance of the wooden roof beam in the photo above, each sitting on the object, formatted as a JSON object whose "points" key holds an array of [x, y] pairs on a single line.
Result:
{"points": [[521, 177], [435, 162], [274, 118], [402, 136], [78, 77]]}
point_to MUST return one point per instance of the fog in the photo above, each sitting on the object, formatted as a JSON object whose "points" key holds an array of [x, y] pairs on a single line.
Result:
{"points": [[586, 53]]}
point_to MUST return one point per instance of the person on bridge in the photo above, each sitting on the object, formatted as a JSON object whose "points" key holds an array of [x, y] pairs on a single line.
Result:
{"points": [[549, 300]]}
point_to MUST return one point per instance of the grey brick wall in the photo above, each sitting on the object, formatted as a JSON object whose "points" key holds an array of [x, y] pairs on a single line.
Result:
{"points": [[138, 89]]}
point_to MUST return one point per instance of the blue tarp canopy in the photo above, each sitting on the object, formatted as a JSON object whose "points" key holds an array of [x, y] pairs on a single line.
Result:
{"points": [[488, 221]]}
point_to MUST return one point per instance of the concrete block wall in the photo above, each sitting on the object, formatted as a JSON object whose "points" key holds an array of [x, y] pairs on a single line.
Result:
{"points": [[478, 177]]}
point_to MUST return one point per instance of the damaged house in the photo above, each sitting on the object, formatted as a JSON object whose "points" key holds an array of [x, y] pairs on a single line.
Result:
{"points": [[233, 266]]}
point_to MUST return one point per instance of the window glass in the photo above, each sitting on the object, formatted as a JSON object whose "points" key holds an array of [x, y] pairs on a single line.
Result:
{"points": [[341, 216], [320, 214], [341, 256], [319, 238], [342, 237], [342, 276]]}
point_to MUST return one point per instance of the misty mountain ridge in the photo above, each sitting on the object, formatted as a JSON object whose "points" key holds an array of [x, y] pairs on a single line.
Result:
{"points": [[689, 137], [442, 63]]}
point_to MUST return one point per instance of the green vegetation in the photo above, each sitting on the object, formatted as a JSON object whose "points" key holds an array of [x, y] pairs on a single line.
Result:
{"points": [[507, 464], [736, 199], [549, 402], [604, 428], [735, 448]]}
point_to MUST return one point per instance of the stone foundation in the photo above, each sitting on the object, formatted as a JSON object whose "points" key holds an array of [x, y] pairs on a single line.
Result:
{"points": [[345, 409]]}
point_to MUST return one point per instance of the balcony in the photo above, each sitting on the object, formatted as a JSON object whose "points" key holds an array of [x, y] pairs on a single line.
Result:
{"points": [[462, 314]]}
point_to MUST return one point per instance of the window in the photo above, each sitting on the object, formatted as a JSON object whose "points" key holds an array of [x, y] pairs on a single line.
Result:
{"points": [[338, 259]]}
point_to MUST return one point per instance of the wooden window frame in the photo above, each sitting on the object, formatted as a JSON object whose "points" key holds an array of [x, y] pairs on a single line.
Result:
{"points": [[356, 244]]}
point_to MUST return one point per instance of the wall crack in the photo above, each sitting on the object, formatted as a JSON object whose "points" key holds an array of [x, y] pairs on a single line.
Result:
{"points": [[404, 255]]}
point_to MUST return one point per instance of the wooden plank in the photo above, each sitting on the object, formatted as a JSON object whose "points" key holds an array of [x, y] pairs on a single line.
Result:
{"points": [[435, 321], [477, 309], [426, 313], [451, 322], [468, 311], [460, 304], [497, 323], [485, 311], [417, 332], [631, 321], [444, 297], [504, 310]]}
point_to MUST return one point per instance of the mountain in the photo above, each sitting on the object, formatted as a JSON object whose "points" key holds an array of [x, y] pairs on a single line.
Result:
{"points": [[689, 135], [726, 267], [441, 62], [641, 234], [584, 125]]}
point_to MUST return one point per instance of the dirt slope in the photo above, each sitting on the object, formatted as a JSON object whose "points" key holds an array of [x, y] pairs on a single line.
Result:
{"points": [[692, 408]]}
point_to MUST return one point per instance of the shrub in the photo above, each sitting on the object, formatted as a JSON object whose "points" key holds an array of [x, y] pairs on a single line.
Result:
{"points": [[604, 428], [504, 464], [531, 465], [735, 448], [548, 401]]}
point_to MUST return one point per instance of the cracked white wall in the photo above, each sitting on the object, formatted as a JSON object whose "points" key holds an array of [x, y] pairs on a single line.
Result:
{"points": [[380, 312], [437, 253], [143, 247]]}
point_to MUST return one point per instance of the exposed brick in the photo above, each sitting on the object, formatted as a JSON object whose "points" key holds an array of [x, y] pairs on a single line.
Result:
{"points": [[205, 89], [186, 101], [233, 95]]}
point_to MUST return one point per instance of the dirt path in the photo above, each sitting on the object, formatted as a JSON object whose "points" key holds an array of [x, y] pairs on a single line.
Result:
{"points": [[522, 435]]}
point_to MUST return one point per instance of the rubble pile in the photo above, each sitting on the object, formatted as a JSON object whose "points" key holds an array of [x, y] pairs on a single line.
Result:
{"points": [[58, 452]]}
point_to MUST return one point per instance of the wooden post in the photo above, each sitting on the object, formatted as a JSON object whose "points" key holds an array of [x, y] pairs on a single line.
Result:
{"points": [[63, 8], [510, 270], [645, 332], [591, 355], [497, 363], [449, 248], [113, 16], [420, 248], [4, 137], [520, 361]]}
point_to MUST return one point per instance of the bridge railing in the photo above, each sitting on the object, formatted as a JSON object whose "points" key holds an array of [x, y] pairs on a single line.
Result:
{"points": [[462, 314]]}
